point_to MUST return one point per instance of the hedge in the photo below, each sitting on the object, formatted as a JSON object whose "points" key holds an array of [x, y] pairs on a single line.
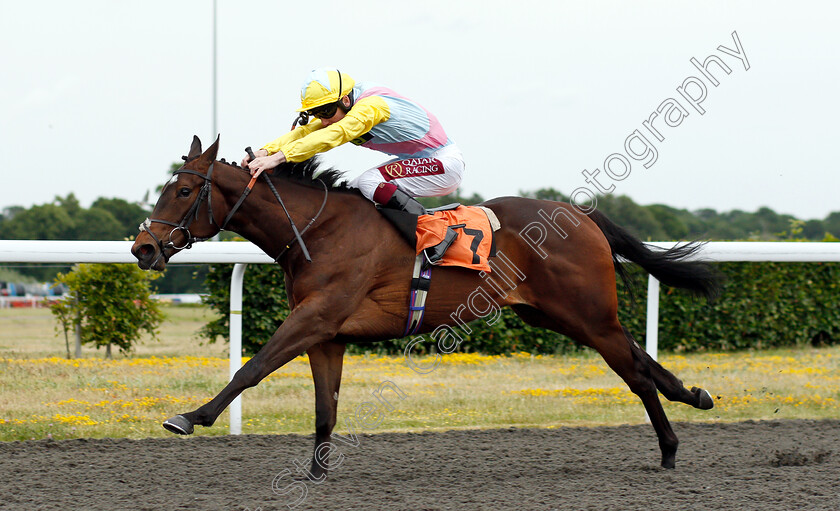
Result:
{"points": [[264, 304], [763, 305]]}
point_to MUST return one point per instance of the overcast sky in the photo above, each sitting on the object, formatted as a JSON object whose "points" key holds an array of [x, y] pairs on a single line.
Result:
{"points": [[98, 98]]}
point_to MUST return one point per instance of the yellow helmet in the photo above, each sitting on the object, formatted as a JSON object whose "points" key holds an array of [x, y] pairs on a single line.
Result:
{"points": [[324, 86]]}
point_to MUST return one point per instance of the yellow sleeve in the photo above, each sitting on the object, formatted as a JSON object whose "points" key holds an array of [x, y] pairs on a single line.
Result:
{"points": [[364, 115], [297, 133]]}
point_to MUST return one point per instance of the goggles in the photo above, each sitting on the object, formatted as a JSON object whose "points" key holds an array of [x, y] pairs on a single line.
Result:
{"points": [[324, 111]]}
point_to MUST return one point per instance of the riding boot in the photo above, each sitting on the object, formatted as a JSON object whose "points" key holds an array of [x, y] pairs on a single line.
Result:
{"points": [[399, 200], [400, 209], [405, 202], [433, 255]]}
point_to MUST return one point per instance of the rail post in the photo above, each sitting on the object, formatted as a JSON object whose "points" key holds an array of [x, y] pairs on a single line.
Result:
{"points": [[236, 279], [652, 330]]}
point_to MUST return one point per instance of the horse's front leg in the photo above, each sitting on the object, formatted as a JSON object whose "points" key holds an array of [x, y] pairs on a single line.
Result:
{"points": [[326, 360], [313, 321]]}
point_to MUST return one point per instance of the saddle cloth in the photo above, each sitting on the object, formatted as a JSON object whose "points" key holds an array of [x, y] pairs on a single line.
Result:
{"points": [[475, 243]]}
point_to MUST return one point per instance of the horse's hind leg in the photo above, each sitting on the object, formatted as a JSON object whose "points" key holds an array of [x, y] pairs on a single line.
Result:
{"points": [[613, 346], [607, 337], [669, 385], [326, 360]]}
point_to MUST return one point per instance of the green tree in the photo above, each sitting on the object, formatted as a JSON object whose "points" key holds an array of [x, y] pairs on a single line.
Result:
{"points": [[64, 312], [112, 304], [546, 194], [436, 202], [45, 222], [70, 204], [670, 221], [832, 223], [9, 212], [97, 224], [636, 219], [771, 222], [129, 215], [183, 278]]}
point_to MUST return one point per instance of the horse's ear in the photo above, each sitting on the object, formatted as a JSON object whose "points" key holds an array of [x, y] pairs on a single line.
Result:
{"points": [[210, 154], [195, 148]]}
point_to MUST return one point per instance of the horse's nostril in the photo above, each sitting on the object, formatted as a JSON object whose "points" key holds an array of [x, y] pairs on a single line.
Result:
{"points": [[145, 251]]}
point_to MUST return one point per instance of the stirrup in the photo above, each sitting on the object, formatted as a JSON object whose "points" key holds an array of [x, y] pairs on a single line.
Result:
{"points": [[433, 255]]}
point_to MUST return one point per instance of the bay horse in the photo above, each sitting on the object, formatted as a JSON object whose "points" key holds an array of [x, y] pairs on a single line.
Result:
{"points": [[356, 285]]}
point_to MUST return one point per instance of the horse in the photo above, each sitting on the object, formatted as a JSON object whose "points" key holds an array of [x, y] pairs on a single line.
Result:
{"points": [[352, 284]]}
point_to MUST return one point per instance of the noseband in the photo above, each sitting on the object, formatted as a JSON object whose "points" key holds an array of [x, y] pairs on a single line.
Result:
{"points": [[205, 194]]}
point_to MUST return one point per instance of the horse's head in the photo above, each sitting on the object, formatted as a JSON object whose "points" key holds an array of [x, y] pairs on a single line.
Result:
{"points": [[183, 213]]}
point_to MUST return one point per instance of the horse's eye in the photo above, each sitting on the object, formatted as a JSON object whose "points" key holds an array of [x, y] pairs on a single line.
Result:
{"points": [[184, 192]]}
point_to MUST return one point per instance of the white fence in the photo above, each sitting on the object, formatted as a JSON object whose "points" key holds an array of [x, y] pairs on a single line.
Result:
{"points": [[26, 251], [19, 251]]}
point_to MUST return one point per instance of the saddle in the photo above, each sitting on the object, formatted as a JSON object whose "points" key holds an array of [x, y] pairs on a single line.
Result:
{"points": [[452, 235], [457, 236]]}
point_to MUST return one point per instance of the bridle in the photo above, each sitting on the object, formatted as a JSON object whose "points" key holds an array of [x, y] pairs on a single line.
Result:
{"points": [[206, 194], [184, 225]]}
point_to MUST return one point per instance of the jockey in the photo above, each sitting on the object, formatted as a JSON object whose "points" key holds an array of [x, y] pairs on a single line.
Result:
{"points": [[426, 162]]}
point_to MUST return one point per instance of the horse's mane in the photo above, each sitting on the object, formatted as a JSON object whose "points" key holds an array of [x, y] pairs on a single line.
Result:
{"points": [[308, 172]]}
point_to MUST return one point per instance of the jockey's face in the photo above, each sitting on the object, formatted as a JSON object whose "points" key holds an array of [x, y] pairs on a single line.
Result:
{"points": [[339, 113]]}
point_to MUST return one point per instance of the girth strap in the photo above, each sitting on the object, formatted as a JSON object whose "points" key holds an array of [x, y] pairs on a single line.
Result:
{"points": [[420, 283]]}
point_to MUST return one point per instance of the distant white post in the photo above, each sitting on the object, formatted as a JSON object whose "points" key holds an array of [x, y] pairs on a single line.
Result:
{"points": [[236, 342], [215, 73]]}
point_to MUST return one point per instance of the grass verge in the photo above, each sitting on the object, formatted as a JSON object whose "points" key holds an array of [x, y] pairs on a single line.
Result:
{"points": [[43, 394]]}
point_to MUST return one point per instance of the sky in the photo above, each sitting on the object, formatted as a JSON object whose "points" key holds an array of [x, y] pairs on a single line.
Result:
{"points": [[99, 98]]}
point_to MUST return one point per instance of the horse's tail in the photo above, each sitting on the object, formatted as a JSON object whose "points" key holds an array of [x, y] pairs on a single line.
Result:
{"points": [[668, 266]]}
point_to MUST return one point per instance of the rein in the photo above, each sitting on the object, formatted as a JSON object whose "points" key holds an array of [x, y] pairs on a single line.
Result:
{"points": [[298, 235], [205, 194]]}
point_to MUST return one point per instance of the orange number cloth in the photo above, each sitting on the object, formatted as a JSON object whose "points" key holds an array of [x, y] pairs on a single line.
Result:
{"points": [[473, 245]]}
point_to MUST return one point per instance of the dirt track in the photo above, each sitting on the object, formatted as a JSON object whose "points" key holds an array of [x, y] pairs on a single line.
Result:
{"points": [[768, 465]]}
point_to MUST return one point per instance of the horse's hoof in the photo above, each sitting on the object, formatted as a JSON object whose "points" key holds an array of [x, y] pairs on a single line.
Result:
{"points": [[178, 425], [704, 399]]}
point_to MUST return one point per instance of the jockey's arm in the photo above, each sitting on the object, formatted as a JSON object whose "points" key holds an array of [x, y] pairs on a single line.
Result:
{"points": [[273, 148], [296, 134], [314, 138]]}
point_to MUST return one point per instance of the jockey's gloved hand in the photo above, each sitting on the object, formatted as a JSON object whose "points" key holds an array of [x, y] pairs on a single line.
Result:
{"points": [[258, 153], [266, 163]]}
